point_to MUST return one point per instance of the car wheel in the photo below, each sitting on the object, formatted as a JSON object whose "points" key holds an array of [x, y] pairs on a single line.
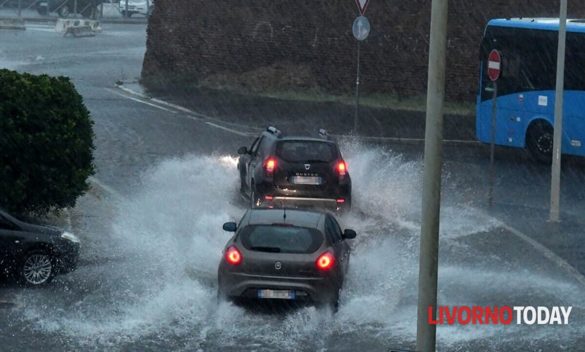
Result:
{"points": [[64, 11], [539, 140], [38, 268]]}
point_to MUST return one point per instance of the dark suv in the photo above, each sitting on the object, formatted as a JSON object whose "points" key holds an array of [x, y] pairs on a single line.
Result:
{"points": [[287, 171]]}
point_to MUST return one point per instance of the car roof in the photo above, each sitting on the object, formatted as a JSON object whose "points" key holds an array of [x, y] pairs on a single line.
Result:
{"points": [[551, 24], [296, 217], [305, 138]]}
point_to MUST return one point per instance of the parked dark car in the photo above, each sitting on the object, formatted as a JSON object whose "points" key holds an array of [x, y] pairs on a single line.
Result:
{"points": [[35, 253], [294, 170], [285, 254]]}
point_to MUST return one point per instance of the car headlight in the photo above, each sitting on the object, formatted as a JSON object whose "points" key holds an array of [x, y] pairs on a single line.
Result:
{"points": [[70, 237]]}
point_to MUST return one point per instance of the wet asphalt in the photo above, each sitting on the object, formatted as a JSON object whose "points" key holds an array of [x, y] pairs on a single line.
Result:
{"points": [[166, 181]]}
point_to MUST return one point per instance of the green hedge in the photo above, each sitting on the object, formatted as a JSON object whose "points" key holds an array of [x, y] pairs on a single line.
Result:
{"points": [[46, 143]]}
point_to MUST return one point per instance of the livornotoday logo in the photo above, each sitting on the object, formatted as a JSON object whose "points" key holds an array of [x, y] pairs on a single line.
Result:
{"points": [[505, 315]]}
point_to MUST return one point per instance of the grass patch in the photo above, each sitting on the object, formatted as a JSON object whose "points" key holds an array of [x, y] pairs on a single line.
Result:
{"points": [[375, 100]]}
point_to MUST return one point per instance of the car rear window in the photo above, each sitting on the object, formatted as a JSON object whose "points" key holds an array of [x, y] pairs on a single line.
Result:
{"points": [[281, 239], [305, 151]]}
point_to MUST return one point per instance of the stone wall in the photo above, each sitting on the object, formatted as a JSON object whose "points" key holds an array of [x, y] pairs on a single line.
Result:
{"points": [[189, 40]]}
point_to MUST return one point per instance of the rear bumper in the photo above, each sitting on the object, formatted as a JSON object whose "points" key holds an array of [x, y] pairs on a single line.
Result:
{"points": [[319, 290], [335, 198]]}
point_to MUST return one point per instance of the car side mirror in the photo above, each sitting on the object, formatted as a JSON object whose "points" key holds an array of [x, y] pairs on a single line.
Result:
{"points": [[230, 227], [349, 234], [243, 150]]}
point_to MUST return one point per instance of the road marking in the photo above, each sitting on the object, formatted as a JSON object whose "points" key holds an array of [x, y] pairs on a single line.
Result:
{"points": [[140, 101], [244, 134], [216, 125], [550, 255], [188, 113]]}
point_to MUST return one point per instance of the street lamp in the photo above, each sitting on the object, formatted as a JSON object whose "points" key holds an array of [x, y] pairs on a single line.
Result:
{"points": [[555, 192]]}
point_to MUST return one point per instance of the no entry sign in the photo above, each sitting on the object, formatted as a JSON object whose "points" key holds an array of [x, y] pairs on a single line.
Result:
{"points": [[494, 65]]}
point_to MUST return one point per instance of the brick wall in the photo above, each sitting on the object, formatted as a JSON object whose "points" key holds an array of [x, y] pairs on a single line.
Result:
{"points": [[188, 40]]}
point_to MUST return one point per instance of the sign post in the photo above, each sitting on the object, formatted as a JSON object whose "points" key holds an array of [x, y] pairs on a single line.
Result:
{"points": [[494, 70], [360, 29]]}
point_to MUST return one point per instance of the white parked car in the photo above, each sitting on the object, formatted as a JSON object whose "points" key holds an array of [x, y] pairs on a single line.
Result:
{"points": [[132, 7]]}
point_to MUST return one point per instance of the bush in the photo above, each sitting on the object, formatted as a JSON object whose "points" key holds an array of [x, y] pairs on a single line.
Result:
{"points": [[46, 143]]}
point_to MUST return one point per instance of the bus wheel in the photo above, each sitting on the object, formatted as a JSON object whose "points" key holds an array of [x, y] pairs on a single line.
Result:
{"points": [[539, 140]]}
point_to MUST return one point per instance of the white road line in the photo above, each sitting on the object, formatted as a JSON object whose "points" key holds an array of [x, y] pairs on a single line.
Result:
{"points": [[243, 134], [550, 255], [141, 101], [150, 104], [178, 107]]}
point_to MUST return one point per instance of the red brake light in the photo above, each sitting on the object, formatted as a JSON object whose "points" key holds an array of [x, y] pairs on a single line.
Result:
{"points": [[341, 168], [270, 165], [325, 261], [233, 256]]}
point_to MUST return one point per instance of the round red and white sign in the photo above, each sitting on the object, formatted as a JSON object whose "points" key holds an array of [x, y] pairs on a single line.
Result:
{"points": [[494, 65]]}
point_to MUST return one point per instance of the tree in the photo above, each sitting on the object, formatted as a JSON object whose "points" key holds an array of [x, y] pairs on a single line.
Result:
{"points": [[46, 143]]}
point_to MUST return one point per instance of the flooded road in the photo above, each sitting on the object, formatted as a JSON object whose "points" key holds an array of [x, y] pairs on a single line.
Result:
{"points": [[152, 239]]}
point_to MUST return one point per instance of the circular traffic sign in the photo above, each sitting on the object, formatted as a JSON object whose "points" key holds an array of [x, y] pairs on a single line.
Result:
{"points": [[361, 28], [494, 65]]}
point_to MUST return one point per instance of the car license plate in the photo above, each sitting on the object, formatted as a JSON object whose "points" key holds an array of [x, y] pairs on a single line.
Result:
{"points": [[306, 180], [276, 294]]}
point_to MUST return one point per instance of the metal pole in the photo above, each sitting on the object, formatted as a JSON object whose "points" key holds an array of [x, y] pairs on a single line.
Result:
{"points": [[147, 8], [75, 8], [126, 12], [431, 200], [357, 92], [19, 8], [493, 146], [102, 9], [555, 188]]}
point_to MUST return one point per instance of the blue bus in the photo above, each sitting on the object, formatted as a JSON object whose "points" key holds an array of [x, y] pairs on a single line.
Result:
{"points": [[526, 87]]}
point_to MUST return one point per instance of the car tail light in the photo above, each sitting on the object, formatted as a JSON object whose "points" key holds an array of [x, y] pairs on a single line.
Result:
{"points": [[233, 256], [270, 166], [325, 261], [341, 168], [268, 198]]}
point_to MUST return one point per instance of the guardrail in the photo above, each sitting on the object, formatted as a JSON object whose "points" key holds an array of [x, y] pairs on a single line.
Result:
{"points": [[89, 9]]}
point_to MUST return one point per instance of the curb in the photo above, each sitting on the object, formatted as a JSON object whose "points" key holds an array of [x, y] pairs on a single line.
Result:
{"points": [[547, 253], [12, 24], [55, 19], [341, 136]]}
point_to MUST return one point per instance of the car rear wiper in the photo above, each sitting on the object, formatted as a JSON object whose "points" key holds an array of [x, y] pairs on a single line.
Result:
{"points": [[266, 249]]}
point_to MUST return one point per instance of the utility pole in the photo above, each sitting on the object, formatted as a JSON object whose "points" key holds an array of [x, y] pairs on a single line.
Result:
{"points": [[431, 201], [555, 188]]}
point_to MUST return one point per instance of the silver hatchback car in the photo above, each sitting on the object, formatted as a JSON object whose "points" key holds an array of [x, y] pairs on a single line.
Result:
{"points": [[285, 254]]}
